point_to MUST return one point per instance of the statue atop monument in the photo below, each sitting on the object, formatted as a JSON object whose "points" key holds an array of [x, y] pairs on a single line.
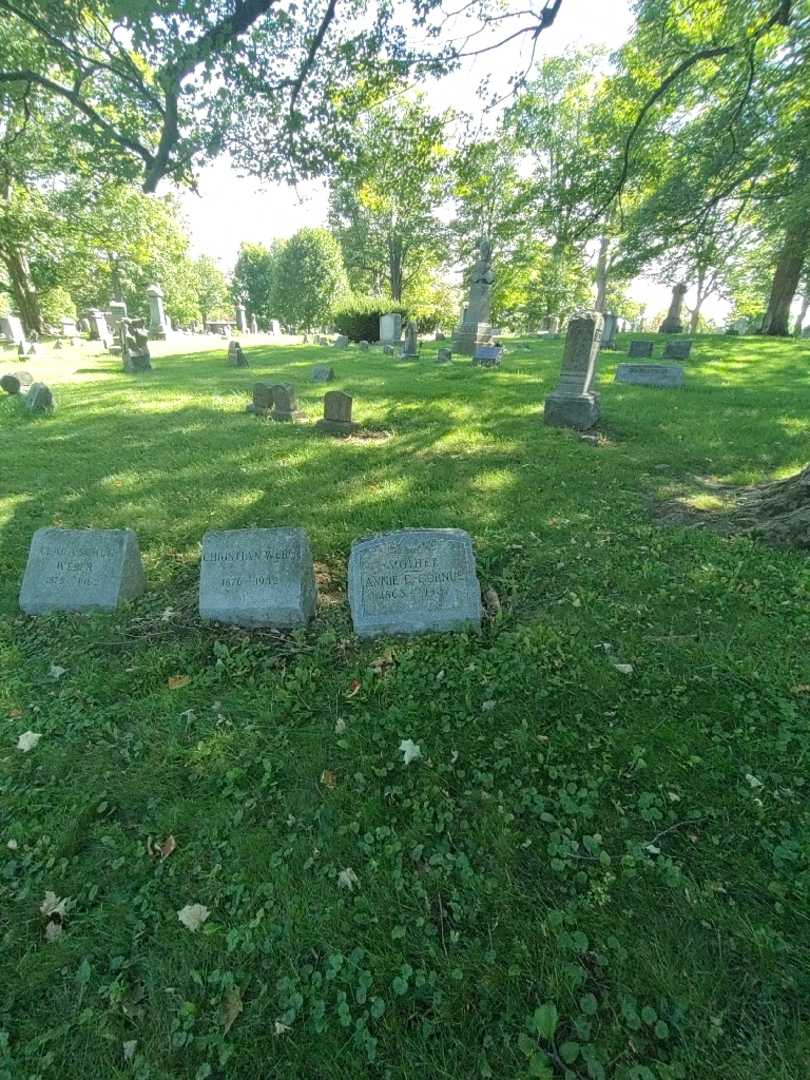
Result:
{"points": [[474, 328]]}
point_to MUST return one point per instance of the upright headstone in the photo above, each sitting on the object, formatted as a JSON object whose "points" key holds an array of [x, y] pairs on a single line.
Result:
{"points": [[262, 402], [551, 324], [474, 328], [610, 325], [254, 326], [323, 373], [414, 581], [573, 403], [12, 329], [81, 570], [444, 356], [158, 323], [673, 323], [391, 328], [388, 350], [411, 344], [337, 414], [118, 312], [275, 327], [69, 328], [98, 325], [10, 383], [677, 350], [134, 341], [236, 358], [257, 577], [640, 349], [488, 356], [664, 375], [285, 404], [362, 346], [39, 399], [241, 318], [341, 341]]}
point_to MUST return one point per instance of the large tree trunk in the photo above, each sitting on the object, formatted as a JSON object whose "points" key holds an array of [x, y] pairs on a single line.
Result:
{"points": [[23, 289], [602, 274], [786, 278], [797, 329], [780, 511]]}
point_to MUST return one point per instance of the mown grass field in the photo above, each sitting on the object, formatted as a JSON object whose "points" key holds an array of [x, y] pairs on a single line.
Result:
{"points": [[592, 871]]}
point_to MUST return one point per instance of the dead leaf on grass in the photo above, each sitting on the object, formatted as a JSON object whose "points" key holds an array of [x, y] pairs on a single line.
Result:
{"points": [[192, 916], [230, 1008], [167, 847], [175, 682], [383, 664], [328, 779]]}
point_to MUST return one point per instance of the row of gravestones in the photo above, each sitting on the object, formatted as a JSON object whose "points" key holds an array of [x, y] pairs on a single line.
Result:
{"points": [[35, 396], [574, 403], [279, 401], [406, 582]]}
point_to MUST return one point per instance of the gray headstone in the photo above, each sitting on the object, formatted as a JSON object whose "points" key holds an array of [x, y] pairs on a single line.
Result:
{"points": [[609, 327], [444, 356], [257, 577], [10, 383], [388, 350], [337, 414], [323, 373], [275, 327], [488, 356], [236, 358], [262, 401], [134, 342], [241, 318], [98, 325], [640, 349], [39, 398], [285, 404], [677, 350], [664, 375], [81, 570], [159, 327], [341, 342], [414, 581], [573, 403], [411, 344], [12, 328], [391, 328], [362, 346]]}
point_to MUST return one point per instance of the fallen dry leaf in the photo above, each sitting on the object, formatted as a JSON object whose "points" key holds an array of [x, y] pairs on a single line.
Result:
{"points": [[56, 672], [328, 778], [167, 847], [129, 1049], [624, 669], [383, 663], [12, 845], [802, 688], [354, 688], [347, 879], [174, 682], [340, 725], [280, 1029], [192, 916], [53, 931], [53, 906], [15, 714], [230, 1008], [492, 602], [410, 751], [28, 740]]}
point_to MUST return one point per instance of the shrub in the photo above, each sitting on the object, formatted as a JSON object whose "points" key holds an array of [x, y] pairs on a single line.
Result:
{"points": [[56, 304], [359, 319]]}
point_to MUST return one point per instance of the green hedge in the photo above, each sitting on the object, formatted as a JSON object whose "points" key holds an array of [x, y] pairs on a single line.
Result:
{"points": [[359, 320]]}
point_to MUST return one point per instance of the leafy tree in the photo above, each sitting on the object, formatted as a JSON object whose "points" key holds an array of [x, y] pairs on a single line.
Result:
{"points": [[310, 279], [490, 195], [384, 201], [253, 277], [211, 288]]}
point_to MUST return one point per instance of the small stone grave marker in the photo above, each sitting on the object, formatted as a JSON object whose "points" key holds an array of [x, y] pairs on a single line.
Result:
{"points": [[414, 581], [640, 349], [444, 356], [388, 350], [39, 398], [663, 375], [337, 414], [285, 404], [262, 401], [573, 403], [10, 383], [677, 350], [341, 342], [81, 570], [257, 577], [487, 356], [323, 373], [362, 346], [236, 358]]}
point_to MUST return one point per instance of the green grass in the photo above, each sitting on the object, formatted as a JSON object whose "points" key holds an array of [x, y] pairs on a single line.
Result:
{"points": [[631, 849]]}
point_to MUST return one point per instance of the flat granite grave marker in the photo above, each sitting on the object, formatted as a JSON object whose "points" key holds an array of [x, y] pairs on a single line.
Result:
{"points": [[640, 349], [262, 401], [337, 414], [39, 398], [488, 356], [257, 577], [663, 375], [81, 570], [323, 373], [572, 403], [341, 342], [236, 358], [677, 350], [444, 356], [414, 581], [285, 404]]}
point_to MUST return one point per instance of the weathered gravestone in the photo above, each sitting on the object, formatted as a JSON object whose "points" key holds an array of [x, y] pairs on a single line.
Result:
{"points": [[262, 402], [337, 414], [610, 325], [159, 326], [341, 342], [388, 350], [69, 328], [39, 399], [98, 325], [391, 328], [640, 349], [323, 373], [551, 324], [275, 327], [411, 348], [285, 404], [664, 375], [444, 356], [118, 312], [673, 323], [241, 318], [414, 581], [12, 328], [236, 358], [257, 577], [81, 570], [573, 403], [362, 346], [488, 356], [10, 383], [474, 328], [677, 350], [134, 341]]}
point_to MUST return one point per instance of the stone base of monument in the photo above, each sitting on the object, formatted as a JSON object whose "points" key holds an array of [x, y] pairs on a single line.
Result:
{"points": [[134, 364], [579, 413], [288, 416], [337, 427], [467, 339], [257, 410]]}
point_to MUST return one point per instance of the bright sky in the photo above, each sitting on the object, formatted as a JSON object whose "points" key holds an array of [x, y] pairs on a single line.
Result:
{"points": [[231, 208]]}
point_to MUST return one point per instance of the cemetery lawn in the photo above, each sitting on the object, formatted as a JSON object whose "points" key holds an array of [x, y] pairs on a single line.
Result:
{"points": [[600, 864]]}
